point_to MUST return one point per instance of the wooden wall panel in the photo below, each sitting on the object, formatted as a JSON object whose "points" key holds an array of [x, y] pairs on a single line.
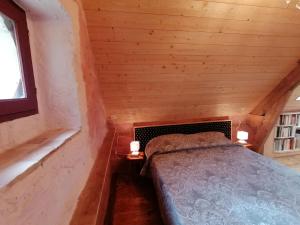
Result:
{"points": [[182, 59]]}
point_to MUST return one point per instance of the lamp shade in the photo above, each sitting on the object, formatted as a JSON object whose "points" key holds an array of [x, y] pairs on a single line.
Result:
{"points": [[242, 136], [134, 146]]}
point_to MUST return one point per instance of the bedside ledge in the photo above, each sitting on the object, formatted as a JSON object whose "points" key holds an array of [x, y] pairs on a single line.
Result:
{"points": [[17, 162]]}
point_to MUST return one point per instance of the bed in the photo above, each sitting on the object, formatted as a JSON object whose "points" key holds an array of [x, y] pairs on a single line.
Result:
{"points": [[205, 179]]}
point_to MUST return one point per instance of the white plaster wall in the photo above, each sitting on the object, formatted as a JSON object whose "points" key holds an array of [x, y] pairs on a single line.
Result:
{"points": [[49, 194], [18, 131], [52, 46], [53, 51]]}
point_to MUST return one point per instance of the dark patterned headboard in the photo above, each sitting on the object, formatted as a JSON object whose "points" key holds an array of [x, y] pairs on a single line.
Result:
{"points": [[145, 134]]}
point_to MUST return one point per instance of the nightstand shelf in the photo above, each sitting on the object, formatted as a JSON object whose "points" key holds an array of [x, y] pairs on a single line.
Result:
{"points": [[131, 164], [140, 156]]}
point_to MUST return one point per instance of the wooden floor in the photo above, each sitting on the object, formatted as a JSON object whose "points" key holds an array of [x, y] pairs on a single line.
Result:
{"points": [[291, 161], [133, 202]]}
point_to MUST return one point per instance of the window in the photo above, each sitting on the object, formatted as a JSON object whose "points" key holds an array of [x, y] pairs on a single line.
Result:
{"points": [[17, 88]]}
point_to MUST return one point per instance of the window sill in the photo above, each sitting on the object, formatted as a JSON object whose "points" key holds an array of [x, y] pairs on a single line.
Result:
{"points": [[22, 160]]}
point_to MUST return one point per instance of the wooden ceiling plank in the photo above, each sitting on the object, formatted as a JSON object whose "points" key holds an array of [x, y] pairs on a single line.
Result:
{"points": [[174, 112], [184, 102], [201, 83], [201, 9], [93, 4], [185, 49], [200, 69], [181, 97], [153, 59], [195, 76], [137, 35], [180, 23], [178, 90]]}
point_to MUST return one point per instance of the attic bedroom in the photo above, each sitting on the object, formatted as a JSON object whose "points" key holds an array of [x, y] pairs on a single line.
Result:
{"points": [[149, 112]]}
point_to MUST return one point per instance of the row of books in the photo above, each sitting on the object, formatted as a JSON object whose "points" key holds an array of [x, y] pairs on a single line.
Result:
{"points": [[298, 139], [293, 119], [284, 132], [284, 144]]}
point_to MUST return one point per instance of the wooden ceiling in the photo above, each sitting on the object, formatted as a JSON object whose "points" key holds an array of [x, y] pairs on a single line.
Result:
{"points": [[185, 59]]}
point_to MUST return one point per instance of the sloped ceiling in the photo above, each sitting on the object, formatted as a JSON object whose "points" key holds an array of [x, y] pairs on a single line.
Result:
{"points": [[186, 59]]}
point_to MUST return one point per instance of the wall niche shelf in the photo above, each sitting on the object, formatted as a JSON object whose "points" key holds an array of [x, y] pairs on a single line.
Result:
{"points": [[287, 134]]}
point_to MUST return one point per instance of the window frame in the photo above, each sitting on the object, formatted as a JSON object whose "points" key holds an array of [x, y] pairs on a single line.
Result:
{"points": [[16, 108]]}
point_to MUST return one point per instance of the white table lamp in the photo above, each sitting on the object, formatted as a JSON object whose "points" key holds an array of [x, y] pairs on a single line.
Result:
{"points": [[242, 137], [134, 147]]}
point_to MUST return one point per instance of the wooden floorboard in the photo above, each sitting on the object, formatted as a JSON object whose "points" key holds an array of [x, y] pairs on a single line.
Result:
{"points": [[132, 201], [291, 161]]}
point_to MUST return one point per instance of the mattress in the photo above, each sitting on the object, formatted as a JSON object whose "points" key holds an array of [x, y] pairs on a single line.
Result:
{"points": [[224, 185]]}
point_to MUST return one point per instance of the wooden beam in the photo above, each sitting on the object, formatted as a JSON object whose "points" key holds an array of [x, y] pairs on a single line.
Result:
{"points": [[264, 116], [262, 126]]}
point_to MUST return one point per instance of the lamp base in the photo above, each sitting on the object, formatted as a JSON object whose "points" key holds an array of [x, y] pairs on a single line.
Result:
{"points": [[135, 153], [242, 142]]}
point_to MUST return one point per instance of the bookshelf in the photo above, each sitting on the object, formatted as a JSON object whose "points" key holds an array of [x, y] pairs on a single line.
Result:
{"points": [[287, 133]]}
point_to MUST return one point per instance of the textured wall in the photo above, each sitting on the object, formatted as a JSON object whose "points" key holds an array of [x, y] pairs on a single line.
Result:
{"points": [[68, 97], [15, 132]]}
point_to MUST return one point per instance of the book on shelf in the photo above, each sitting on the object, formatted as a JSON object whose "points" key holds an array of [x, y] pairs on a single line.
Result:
{"points": [[292, 119], [284, 132], [298, 139], [284, 144], [287, 132]]}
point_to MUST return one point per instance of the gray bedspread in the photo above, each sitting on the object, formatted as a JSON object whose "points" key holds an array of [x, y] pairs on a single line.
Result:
{"points": [[225, 185]]}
